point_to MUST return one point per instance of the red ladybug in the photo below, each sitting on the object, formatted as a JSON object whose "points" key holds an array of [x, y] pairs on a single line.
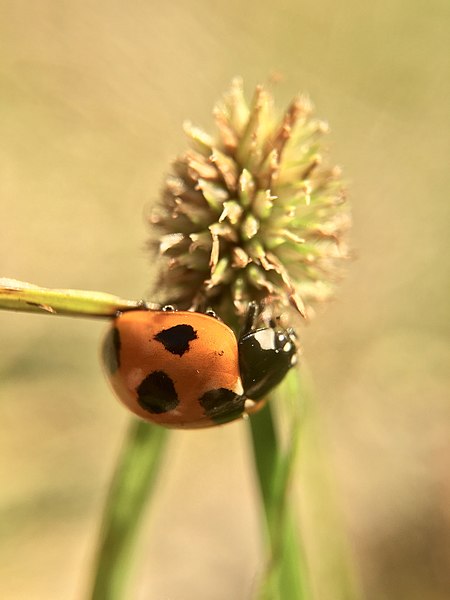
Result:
{"points": [[186, 369]]}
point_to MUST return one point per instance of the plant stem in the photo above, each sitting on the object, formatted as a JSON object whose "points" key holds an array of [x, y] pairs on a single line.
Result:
{"points": [[131, 488], [26, 297], [285, 577]]}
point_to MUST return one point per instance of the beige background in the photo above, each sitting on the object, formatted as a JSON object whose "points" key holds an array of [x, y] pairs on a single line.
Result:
{"points": [[92, 97]]}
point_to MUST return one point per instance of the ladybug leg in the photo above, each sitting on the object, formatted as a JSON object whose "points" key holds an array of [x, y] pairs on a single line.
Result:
{"points": [[207, 310], [212, 313], [168, 308]]}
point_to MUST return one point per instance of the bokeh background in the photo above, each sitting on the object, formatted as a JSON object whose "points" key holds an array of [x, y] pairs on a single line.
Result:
{"points": [[92, 97]]}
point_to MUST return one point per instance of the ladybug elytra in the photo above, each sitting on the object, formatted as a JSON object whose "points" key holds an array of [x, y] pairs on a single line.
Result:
{"points": [[185, 369]]}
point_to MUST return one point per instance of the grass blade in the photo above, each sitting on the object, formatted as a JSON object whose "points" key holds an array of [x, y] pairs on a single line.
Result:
{"points": [[26, 297], [285, 577], [132, 486]]}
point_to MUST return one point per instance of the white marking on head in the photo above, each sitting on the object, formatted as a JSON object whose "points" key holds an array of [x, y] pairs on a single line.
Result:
{"points": [[265, 338]]}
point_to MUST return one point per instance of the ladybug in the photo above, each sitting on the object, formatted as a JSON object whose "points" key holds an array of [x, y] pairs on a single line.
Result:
{"points": [[184, 369]]}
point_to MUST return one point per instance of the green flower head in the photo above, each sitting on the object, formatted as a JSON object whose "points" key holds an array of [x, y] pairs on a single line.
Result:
{"points": [[253, 213]]}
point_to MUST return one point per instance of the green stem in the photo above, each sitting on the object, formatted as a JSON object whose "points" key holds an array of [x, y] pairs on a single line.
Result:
{"points": [[26, 297], [130, 490], [285, 577]]}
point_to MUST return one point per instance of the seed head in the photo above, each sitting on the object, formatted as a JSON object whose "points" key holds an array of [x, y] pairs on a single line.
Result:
{"points": [[253, 213]]}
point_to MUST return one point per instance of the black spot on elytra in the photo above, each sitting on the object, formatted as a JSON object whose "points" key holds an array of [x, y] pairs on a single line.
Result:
{"points": [[222, 405], [111, 350], [176, 339], [157, 394]]}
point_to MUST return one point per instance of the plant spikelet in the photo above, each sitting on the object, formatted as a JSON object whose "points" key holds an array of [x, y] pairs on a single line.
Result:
{"points": [[252, 213]]}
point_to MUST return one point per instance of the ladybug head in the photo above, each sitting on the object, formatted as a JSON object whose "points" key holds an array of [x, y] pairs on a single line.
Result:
{"points": [[265, 355]]}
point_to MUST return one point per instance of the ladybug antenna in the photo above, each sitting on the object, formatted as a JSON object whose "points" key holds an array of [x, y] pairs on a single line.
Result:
{"points": [[253, 311]]}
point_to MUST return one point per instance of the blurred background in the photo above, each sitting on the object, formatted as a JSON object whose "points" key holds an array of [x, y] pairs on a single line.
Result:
{"points": [[92, 98]]}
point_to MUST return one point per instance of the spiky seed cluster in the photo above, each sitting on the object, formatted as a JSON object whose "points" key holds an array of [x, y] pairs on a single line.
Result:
{"points": [[252, 214]]}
